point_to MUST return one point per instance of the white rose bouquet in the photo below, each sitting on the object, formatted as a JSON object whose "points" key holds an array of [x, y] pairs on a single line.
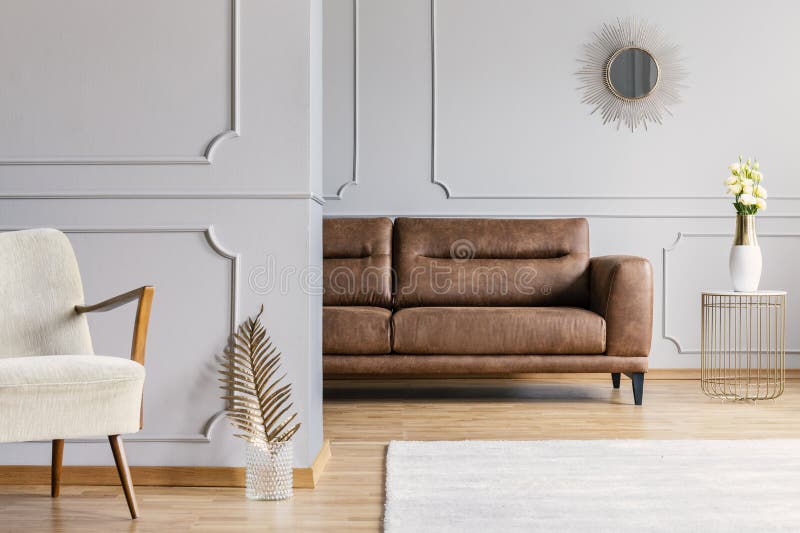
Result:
{"points": [[744, 184]]}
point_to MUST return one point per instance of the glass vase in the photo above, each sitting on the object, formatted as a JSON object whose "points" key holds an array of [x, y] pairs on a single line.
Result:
{"points": [[269, 471]]}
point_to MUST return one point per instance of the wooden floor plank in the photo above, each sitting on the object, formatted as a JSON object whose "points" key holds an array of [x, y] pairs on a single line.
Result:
{"points": [[362, 417]]}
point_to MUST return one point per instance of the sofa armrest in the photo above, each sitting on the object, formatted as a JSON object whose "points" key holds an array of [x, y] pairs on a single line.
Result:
{"points": [[622, 293]]}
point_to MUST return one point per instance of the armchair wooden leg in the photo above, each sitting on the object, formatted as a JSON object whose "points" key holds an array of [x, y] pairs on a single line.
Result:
{"points": [[55, 467], [615, 377], [124, 473]]}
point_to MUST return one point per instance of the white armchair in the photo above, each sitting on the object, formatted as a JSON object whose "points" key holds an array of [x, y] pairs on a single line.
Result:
{"points": [[52, 386]]}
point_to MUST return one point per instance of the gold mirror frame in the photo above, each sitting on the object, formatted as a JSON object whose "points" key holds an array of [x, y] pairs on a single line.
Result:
{"points": [[606, 101], [610, 62]]}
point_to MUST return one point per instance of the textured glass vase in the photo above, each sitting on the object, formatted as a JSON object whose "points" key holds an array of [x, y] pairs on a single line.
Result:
{"points": [[269, 471]]}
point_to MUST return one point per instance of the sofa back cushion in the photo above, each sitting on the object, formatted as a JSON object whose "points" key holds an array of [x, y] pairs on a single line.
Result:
{"points": [[491, 262], [357, 261]]}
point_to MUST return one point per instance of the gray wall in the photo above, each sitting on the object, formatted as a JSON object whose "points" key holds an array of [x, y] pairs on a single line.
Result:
{"points": [[178, 144], [512, 139]]}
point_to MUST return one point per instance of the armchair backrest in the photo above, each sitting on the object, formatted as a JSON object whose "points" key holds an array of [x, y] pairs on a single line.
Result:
{"points": [[40, 284]]}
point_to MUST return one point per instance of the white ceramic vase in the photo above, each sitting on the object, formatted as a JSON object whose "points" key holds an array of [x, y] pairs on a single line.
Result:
{"points": [[745, 259]]}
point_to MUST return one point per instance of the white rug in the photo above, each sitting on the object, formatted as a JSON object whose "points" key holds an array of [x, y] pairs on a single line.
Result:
{"points": [[593, 486]]}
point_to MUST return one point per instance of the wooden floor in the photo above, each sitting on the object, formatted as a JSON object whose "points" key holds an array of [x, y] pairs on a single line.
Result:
{"points": [[360, 419]]}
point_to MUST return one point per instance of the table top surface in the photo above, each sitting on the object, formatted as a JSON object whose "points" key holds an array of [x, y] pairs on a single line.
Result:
{"points": [[753, 293]]}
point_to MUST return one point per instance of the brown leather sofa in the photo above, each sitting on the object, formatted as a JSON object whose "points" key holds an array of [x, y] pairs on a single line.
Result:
{"points": [[469, 296]]}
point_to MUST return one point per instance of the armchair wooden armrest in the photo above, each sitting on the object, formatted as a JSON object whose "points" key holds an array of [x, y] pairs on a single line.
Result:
{"points": [[145, 297]]}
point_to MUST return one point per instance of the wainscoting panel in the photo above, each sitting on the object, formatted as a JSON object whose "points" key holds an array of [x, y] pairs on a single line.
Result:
{"points": [[133, 257], [509, 121], [698, 261], [132, 127], [198, 287], [478, 100], [471, 108], [110, 82], [340, 68], [212, 262]]}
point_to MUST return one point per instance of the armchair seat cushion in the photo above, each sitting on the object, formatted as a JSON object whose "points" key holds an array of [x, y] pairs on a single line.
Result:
{"points": [[68, 396], [498, 331]]}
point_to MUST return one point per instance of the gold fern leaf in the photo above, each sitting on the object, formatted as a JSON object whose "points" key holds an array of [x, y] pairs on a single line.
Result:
{"points": [[258, 403]]}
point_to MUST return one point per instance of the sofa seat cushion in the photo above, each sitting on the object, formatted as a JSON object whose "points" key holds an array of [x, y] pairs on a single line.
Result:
{"points": [[356, 330], [498, 330], [45, 397]]}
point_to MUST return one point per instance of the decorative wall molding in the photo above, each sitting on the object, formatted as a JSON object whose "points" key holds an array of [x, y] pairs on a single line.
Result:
{"points": [[206, 158], [682, 237], [664, 292], [435, 180], [168, 195], [204, 437], [210, 236], [439, 180], [213, 242], [353, 180], [211, 239], [540, 214]]}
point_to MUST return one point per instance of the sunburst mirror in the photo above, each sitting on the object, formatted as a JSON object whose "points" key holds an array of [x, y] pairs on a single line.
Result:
{"points": [[631, 74]]}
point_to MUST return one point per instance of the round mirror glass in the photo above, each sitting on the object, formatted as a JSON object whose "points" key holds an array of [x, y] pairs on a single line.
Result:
{"points": [[632, 73]]}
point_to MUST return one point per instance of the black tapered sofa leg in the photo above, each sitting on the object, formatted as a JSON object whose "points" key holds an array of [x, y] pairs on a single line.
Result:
{"points": [[637, 379], [615, 379]]}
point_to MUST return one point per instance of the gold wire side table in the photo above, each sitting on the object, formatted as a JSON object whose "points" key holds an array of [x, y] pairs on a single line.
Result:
{"points": [[743, 346]]}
